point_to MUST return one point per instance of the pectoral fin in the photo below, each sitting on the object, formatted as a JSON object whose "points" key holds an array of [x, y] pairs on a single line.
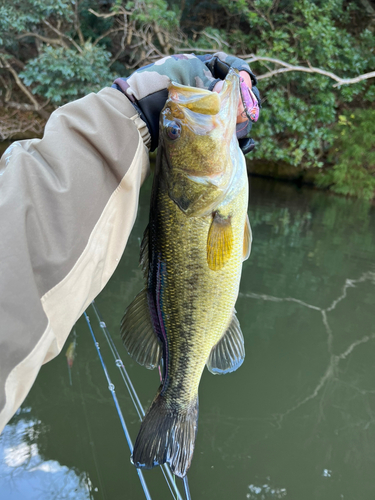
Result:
{"points": [[228, 354], [247, 240], [219, 242], [138, 334]]}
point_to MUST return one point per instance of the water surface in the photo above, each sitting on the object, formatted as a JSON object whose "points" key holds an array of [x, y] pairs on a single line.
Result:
{"points": [[295, 422]]}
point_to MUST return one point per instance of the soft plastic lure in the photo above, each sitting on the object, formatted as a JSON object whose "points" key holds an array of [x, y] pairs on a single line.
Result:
{"points": [[250, 102]]}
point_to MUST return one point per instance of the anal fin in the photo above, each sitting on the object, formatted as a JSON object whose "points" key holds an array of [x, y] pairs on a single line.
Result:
{"points": [[228, 354], [138, 335]]}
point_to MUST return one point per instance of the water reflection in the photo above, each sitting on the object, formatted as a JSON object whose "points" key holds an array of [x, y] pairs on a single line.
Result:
{"points": [[296, 421], [265, 492], [331, 374], [26, 474]]}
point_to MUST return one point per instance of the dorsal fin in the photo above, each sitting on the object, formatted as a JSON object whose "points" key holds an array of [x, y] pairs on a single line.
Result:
{"points": [[228, 354], [138, 335]]}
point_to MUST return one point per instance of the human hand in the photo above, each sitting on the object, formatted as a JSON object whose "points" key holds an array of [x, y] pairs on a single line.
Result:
{"points": [[147, 88], [247, 112], [241, 112]]}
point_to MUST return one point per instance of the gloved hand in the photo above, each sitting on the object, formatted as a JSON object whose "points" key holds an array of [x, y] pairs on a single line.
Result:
{"points": [[249, 104], [147, 88]]}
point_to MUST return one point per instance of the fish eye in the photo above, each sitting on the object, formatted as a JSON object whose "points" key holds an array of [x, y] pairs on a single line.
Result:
{"points": [[173, 130]]}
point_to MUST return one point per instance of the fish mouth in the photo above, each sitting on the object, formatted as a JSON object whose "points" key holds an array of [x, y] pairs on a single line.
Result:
{"points": [[197, 138]]}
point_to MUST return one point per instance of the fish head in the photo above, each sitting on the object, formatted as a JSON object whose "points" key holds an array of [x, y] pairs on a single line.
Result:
{"points": [[198, 144]]}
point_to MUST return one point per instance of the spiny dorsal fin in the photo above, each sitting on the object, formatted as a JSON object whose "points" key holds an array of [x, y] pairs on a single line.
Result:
{"points": [[219, 242], [143, 259], [247, 240], [228, 354], [138, 335]]}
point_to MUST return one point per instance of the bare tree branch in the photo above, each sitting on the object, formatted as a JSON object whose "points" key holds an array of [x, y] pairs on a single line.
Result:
{"points": [[52, 41], [108, 32], [16, 61], [37, 107], [16, 123], [143, 58], [290, 67], [368, 7], [63, 35], [77, 24], [111, 14], [21, 106], [218, 40], [125, 37], [197, 49], [8, 89], [6, 65], [160, 36]]}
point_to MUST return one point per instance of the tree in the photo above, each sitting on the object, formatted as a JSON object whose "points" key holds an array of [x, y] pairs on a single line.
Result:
{"points": [[314, 59]]}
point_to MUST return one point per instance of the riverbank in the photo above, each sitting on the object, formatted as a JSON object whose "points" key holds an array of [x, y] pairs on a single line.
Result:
{"points": [[282, 171], [260, 168]]}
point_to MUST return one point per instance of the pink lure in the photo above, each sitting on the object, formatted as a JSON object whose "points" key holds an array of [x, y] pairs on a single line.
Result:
{"points": [[250, 102]]}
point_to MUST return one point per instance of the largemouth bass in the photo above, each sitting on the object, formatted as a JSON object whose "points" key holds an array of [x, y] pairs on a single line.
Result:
{"points": [[192, 253]]}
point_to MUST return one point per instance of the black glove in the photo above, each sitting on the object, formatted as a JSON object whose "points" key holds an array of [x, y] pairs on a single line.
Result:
{"points": [[148, 92]]}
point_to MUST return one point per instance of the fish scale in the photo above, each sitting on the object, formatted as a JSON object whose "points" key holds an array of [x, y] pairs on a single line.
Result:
{"points": [[192, 253], [195, 318]]}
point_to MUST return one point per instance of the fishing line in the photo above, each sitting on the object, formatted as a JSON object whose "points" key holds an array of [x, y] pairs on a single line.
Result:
{"points": [[111, 387], [119, 363], [133, 394], [187, 489], [136, 401], [91, 439]]}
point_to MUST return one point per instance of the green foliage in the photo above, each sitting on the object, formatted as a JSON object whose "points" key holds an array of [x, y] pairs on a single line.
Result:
{"points": [[353, 156], [301, 109], [23, 15], [157, 11], [63, 74], [69, 51]]}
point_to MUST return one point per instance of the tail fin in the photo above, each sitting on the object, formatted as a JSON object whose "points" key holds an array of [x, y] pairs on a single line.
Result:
{"points": [[167, 435]]}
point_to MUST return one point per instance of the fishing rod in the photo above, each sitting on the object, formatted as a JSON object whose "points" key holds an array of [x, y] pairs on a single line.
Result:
{"points": [[111, 387], [169, 478], [133, 394]]}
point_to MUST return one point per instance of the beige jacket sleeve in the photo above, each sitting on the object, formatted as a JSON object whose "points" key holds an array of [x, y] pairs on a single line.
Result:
{"points": [[67, 205]]}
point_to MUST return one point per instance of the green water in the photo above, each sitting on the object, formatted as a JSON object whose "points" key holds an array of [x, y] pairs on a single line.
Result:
{"points": [[295, 422]]}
